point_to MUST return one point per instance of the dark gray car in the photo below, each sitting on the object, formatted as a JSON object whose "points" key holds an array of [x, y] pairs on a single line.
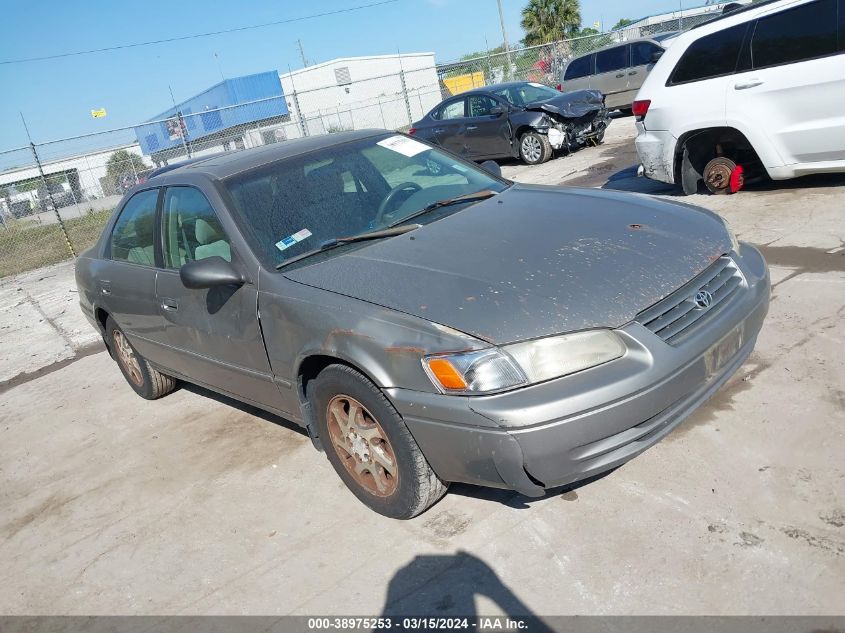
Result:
{"points": [[425, 325], [518, 119]]}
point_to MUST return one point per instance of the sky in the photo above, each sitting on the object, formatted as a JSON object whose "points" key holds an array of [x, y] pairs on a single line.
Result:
{"points": [[56, 96]]}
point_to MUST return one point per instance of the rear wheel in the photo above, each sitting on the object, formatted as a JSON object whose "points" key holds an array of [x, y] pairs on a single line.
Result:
{"points": [[534, 148], [146, 381], [717, 175], [369, 446]]}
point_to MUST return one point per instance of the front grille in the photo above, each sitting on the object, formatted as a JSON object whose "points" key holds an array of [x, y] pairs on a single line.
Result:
{"points": [[677, 316]]}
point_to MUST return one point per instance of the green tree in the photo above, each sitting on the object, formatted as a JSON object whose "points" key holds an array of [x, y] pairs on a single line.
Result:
{"points": [[549, 20], [621, 24], [123, 162]]}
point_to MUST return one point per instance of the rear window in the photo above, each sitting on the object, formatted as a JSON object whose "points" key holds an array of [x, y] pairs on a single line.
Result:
{"points": [[612, 59], [713, 55], [794, 35], [579, 68]]}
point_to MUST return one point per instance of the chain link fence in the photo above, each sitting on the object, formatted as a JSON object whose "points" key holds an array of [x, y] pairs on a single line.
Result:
{"points": [[55, 196]]}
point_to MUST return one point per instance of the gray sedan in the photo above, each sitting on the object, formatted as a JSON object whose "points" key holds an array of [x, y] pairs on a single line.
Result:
{"points": [[425, 325]]}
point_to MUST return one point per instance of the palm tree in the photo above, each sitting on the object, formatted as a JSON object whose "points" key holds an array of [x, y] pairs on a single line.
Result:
{"points": [[550, 20]]}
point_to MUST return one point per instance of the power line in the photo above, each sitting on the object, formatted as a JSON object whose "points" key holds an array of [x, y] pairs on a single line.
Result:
{"points": [[196, 35]]}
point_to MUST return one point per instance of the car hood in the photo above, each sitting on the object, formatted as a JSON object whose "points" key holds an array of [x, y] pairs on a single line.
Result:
{"points": [[532, 261], [571, 104]]}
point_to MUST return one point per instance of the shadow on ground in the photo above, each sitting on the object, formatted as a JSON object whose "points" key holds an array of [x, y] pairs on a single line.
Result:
{"points": [[447, 586]]}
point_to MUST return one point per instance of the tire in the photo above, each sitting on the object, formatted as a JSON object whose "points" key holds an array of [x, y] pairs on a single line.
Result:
{"points": [[534, 148], [414, 487], [144, 380]]}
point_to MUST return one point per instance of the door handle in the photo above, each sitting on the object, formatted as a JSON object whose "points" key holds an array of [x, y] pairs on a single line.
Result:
{"points": [[472, 127], [169, 304], [620, 75], [439, 130], [105, 287], [633, 72], [745, 85]]}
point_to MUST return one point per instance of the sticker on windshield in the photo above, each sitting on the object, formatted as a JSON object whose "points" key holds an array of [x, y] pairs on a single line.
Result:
{"points": [[403, 145], [290, 240]]}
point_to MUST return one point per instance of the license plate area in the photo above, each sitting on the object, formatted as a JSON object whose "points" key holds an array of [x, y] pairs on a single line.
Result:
{"points": [[722, 352]]}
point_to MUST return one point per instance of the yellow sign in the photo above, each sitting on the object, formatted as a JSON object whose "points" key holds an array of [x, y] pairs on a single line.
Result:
{"points": [[98, 114], [462, 83]]}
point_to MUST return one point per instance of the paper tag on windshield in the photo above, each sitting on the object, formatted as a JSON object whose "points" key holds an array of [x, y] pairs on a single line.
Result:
{"points": [[290, 240], [403, 145]]}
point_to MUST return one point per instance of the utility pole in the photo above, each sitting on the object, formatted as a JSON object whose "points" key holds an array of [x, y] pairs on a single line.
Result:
{"points": [[302, 53], [505, 38]]}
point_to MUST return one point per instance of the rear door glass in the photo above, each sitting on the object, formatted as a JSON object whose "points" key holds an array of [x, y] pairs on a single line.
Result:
{"points": [[641, 53], [714, 55], [133, 235], [578, 68], [611, 59]]}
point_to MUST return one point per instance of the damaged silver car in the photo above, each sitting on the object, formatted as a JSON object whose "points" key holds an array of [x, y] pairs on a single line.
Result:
{"points": [[518, 119], [425, 325]]}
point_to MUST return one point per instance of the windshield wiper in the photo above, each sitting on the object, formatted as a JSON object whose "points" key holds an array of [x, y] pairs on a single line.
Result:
{"points": [[361, 237], [467, 197]]}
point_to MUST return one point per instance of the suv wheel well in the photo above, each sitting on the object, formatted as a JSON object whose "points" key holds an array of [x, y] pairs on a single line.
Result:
{"points": [[706, 144]]}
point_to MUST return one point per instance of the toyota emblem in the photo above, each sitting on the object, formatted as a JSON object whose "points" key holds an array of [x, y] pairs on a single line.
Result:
{"points": [[703, 299]]}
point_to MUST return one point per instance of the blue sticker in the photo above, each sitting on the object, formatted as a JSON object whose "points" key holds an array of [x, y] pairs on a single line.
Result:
{"points": [[290, 240]]}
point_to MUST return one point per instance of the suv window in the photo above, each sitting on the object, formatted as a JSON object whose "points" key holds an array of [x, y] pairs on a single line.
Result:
{"points": [[612, 59], [579, 68], [714, 55], [479, 105], [133, 235], [454, 110], [800, 33], [190, 229], [641, 53]]}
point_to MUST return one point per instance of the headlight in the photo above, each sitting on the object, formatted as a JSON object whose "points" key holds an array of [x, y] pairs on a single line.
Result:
{"points": [[732, 235], [556, 356], [490, 370]]}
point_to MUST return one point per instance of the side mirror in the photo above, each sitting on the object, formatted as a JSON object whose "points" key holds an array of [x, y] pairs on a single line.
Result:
{"points": [[496, 110], [655, 56], [492, 167], [209, 273]]}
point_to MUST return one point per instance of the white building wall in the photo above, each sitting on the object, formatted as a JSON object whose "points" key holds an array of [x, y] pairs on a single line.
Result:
{"points": [[373, 98]]}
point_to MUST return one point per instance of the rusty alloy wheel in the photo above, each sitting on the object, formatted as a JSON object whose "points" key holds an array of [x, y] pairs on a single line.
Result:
{"points": [[126, 357], [362, 446], [717, 175]]}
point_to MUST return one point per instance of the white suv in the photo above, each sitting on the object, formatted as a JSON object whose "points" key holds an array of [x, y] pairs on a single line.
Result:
{"points": [[757, 90]]}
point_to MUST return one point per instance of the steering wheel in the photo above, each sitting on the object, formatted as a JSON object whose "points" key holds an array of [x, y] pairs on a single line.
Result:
{"points": [[388, 199]]}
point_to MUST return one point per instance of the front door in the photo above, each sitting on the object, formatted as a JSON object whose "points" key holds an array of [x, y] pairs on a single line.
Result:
{"points": [[487, 134], [214, 333], [449, 127]]}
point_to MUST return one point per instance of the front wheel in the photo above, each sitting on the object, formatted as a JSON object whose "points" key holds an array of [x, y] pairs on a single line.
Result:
{"points": [[534, 148], [369, 446]]}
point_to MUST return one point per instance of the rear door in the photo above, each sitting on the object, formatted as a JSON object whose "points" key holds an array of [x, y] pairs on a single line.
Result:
{"points": [[793, 85], [449, 126], [611, 76], [213, 334], [126, 280], [487, 134]]}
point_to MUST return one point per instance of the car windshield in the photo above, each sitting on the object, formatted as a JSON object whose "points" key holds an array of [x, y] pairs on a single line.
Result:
{"points": [[294, 205], [521, 94]]}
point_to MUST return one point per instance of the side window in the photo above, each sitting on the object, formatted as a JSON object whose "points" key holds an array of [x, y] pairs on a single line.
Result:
{"points": [[641, 53], [714, 55], [794, 35], [479, 105], [190, 229], [454, 110], [133, 236], [578, 68], [612, 59]]}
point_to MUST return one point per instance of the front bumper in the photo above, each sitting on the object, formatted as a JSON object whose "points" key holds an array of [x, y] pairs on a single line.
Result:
{"points": [[656, 151], [572, 428]]}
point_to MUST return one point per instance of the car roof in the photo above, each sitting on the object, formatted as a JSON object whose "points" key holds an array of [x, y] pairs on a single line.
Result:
{"points": [[225, 164], [633, 40], [501, 86]]}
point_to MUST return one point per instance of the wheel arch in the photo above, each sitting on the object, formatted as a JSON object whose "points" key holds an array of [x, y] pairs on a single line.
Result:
{"points": [[701, 145]]}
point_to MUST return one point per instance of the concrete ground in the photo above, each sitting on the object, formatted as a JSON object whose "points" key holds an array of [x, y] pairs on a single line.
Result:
{"points": [[196, 504]]}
